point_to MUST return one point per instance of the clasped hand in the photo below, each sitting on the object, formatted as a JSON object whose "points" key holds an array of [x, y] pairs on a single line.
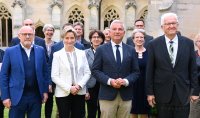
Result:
{"points": [[117, 83]]}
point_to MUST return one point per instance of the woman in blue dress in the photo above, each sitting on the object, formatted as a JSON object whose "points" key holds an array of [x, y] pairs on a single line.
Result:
{"points": [[140, 105]]}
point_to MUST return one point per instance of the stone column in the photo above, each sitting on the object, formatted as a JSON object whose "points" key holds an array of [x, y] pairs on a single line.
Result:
{"points": [[130, 16], [94, 15], [18, 16], [56, 19]]}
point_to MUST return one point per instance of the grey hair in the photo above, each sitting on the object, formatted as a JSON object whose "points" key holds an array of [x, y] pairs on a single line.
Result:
{"points": [[167, 15], [48, 26], [117, 21], [138, 30]]}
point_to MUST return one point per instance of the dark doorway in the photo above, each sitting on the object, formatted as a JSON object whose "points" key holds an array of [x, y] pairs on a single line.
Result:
{"points": [[39, 32]]}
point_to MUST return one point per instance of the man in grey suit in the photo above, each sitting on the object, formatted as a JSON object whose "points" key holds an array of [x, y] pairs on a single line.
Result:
{"points": [[139, 24], [116, 68], [171, 71]]}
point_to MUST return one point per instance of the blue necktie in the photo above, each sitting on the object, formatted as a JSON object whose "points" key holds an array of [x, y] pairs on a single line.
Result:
{"points": [[118, 56]]}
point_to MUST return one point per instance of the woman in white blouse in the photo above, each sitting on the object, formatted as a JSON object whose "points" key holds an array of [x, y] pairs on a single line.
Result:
{"points": [[70, 72]]}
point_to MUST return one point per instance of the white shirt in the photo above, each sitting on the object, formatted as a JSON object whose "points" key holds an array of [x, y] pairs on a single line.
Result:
{"points": [[175, 46], [114, 48], [27, 50]]}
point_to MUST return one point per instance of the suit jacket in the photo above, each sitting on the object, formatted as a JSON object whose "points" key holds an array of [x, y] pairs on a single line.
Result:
{"points": [[61, 72], [105, 67], [37, 41], [13, 76], [161, 76], [1, 55], [85, 43], [58, 46], [147, 38], [90, 58]]}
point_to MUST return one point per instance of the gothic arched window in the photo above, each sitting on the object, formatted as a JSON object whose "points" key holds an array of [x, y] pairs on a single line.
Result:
{"points": [[144, 15], [76, 16], [5, 27], [109, 17]]}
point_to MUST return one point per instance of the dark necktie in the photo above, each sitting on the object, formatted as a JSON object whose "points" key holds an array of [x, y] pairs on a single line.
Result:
{"points": [[118, 56], [171, 52]]}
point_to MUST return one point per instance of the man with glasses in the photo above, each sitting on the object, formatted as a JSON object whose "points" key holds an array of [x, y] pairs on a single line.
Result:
{"points": [[37, 40], [171, 79], [24, 77], [139, 24]]}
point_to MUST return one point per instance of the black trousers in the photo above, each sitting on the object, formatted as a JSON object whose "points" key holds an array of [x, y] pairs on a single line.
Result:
{"points": [[72, 106], [93, 103], [49, 106], [173, 109], [1, 109]]}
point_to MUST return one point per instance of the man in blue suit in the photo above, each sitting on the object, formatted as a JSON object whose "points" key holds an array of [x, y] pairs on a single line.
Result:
{"points": [[115, 66], [37, 40], [24, 77]]}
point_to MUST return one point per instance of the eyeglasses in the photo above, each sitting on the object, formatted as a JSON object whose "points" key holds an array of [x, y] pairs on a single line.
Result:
{"points": [[169, 24], [26, 34], [96, 37]]}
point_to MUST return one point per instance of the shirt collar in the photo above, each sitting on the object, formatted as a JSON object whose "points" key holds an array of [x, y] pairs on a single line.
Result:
{"points": [[175, 39], [25, 47], [113, 44]]}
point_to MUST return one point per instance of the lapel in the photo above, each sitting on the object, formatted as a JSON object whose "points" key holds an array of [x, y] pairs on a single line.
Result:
{"points": [[110, 53], [163, 47], [125, 53], [36, 57], [18, 52], [179, 52], [63, 57], [91, 54]]}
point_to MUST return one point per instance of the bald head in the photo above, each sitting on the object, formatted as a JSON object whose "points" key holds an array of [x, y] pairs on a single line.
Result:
{"points": [[26, 36]]}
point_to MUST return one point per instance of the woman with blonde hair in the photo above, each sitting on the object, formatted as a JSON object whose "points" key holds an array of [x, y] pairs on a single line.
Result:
{"points": [[70, 72]]}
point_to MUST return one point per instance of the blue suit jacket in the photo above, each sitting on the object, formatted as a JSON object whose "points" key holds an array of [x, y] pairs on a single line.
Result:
{"points": [[13, 77], [105, 67], [37, 41]]}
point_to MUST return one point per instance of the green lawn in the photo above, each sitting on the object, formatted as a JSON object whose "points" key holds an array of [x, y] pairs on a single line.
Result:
{"points": [[42, 114]]}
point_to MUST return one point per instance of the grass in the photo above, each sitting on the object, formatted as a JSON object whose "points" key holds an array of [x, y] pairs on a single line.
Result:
{"points": [[42, 114]]}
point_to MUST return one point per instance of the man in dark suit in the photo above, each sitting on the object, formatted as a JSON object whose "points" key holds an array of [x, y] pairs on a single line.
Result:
{"points": [[139, 24], [24, 77], [116, 68], [37, 40], [171, 71]]}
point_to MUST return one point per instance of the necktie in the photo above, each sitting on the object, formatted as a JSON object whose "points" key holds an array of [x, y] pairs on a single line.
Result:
{"points": [[118, 56], [171, 52]]}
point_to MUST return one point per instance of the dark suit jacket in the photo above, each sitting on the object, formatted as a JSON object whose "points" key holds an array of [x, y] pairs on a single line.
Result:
{"points": [[13, 77], [161, 75], [1, 55], [85, 43], [147, 38], [105, 67]]}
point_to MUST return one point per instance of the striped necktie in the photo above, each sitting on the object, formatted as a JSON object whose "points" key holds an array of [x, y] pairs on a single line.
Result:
{"points": [[171, 52]]}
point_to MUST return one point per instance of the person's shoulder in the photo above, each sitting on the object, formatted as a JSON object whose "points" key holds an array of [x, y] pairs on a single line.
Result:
{"points": [[12, 48], [148, 36], [39, 38], [186, 39]]}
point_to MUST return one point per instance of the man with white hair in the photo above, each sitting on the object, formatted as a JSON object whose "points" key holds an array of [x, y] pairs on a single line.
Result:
{"points": [[171, 71]]}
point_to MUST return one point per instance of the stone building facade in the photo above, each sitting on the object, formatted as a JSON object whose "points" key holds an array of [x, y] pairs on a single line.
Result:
{"points": [[95, 14]]}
